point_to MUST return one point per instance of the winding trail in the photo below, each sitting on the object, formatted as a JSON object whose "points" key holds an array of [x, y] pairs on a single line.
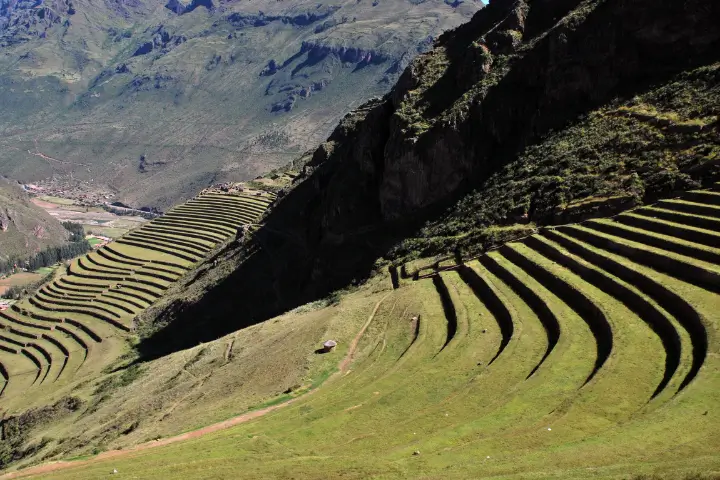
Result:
{"points": [[245, 417], [345, 362], [38, 153]]}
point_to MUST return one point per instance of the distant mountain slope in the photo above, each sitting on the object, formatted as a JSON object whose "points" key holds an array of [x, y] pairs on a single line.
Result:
{"points": [[532, 113], [159, 99], [24, 227]]}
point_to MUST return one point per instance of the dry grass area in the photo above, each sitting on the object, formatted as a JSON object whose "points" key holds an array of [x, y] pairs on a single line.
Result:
{"points": [[264, 365]]}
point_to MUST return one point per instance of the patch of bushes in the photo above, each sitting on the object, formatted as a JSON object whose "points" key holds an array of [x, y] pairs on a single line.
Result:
{"points": [[104, 388], [14, 431], [128, 376], [77, 232]]}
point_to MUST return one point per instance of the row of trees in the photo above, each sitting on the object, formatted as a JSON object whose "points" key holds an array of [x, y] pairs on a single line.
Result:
{"points": [[51, 255], [131, 211], [77, 232]]}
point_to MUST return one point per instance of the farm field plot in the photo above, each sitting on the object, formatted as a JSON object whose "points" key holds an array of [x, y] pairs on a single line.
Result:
{"points": [[583, 351], [76, 323], [94, 219], [22, 278]]}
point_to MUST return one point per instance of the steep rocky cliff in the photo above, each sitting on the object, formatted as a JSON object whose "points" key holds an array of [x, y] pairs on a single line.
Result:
{"points": [[521, 115]]}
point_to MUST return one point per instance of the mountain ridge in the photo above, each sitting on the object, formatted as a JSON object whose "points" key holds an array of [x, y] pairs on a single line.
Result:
{"points": [[446, 237]]}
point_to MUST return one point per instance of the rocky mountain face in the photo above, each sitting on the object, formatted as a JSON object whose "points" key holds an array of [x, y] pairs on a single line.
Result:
{"points": [[203, 90], [535, 67], [529, 109], [24, 227], [23, 20]]}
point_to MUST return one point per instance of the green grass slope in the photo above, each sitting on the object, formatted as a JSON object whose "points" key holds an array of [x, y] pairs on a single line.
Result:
{"points": [[513, 120], [81, 322], [540, 340], [583, 351], [626, 153]]}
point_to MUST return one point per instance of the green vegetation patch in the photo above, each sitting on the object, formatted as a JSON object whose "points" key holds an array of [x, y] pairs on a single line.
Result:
{"points": [[652, 145], [16, 429]]}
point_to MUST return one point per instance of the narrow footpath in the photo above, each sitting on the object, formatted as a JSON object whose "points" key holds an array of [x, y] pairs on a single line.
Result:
{"points": [[343, 366]]}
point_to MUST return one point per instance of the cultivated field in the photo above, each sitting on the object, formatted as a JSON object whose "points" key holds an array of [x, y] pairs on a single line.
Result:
{"points": [[22, 278], [74, 325], [583, 351], [94, 219]]}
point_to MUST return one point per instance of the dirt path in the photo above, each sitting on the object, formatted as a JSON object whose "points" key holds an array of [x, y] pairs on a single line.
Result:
{"points": [[245, 417], [38, 153], [345, 363]]}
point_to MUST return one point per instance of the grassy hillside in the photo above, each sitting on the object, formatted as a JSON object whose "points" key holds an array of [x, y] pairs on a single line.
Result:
{"points": [[156, 102], [25, 229], [203, 385], [628, 152], [516, 251], [587, 351], [77, 324]]}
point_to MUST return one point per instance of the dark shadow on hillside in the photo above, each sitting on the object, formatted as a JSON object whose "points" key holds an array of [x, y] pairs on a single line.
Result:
{"points": [[303, 256], [324, 234], [464, 68], [327, 232]]}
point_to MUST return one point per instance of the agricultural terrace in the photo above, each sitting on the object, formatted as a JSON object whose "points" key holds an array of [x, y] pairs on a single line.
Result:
{"points": [[71, 326], [583, 351]]}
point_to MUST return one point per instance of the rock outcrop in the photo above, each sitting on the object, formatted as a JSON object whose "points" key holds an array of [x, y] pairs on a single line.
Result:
{"points": [[512, 75], [347, 54], [176, 6], [4, 220], [162, 41], [22, 20], [242, 20]]}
